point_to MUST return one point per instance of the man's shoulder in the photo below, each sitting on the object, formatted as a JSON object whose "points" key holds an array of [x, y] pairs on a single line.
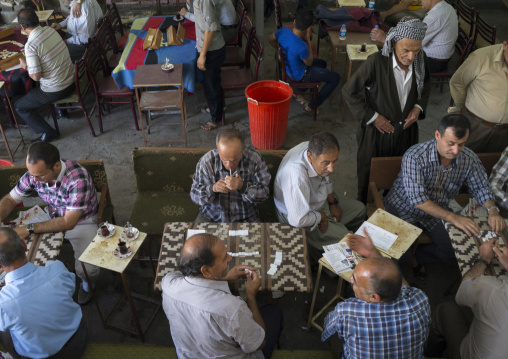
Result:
{"points": [[253, 155], [75, 171], [420, 150]]}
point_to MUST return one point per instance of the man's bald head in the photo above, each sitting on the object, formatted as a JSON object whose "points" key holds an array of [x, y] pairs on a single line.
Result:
{"points": [[196, 253], [381, 276]]}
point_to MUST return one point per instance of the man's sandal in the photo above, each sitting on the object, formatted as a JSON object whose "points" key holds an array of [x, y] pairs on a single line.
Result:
{"points": [[209, 126]]}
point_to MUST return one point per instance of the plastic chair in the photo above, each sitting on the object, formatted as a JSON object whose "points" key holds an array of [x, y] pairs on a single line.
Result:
{"points": [[486, 32], [313, 86], [239, 79], [235, 55]]}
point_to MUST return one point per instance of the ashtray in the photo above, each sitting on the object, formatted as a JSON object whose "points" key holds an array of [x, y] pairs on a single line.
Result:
{"points": [[124, 236], [363, 52], [111, 230], [119, 255], [178, 18], [168, 67]]}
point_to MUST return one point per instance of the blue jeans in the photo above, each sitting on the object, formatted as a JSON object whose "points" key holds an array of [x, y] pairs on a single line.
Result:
{"points": [[318, 72]]}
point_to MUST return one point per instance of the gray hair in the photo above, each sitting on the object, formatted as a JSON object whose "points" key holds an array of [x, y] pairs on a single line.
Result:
{"points": [[11, 249]]}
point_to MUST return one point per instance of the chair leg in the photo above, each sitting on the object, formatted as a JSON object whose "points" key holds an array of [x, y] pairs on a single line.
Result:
{"points": [[53, 113], [315, 103], [88, 119], [99, 114], [8, 110], [134, 114]]}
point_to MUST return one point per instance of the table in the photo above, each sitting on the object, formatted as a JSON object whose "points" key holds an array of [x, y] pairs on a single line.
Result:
{"points": [[100, 253], [154, 76], [267, 238], [20, 140], [352, 38], [133, 54], [466, 247], [43, 16], [342, 3], [407, 235], [42, 248]]}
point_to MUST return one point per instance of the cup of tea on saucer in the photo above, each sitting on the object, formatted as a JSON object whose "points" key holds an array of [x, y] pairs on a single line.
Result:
{"points": [[104, 229], [122, 247]]}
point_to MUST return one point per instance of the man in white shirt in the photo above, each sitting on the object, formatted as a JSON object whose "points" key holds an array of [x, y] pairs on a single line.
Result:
{"points": [[80, 26], [441, 35]]}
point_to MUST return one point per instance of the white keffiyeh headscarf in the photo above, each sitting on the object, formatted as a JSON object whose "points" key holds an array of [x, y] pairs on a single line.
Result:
{"points": [[413, 29]]}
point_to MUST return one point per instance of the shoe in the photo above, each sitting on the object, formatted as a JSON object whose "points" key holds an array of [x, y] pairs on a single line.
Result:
{"points": [[84, 297], [46, 137], [278, 294], [61, 114]]}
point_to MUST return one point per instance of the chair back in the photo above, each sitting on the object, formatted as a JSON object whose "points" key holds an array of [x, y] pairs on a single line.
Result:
{"points": [[239, 6], [278, 14], [94, 63], [240, 17], [81, 79], [245, 30], [106, 38], [453, 3], [467, 16], [113, 16], [462, 46], [255, 50], [486, 31], [282, 67]]}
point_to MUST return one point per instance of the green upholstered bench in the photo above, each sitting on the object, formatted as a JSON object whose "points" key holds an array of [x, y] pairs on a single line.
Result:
{"points": [[164, 179], [9, 176]]}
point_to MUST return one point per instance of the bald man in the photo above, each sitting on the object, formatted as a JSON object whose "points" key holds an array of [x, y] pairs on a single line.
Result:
{"points": [[230, 181], [206, 320], [387, 319]]}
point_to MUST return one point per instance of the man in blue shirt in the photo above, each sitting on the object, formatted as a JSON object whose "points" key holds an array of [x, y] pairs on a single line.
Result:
{"points": [[300, 63], [38, 318]]}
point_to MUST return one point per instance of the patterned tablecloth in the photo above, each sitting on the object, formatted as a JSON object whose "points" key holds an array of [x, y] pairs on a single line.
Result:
{"points": [[267, 238], [466, 247]]}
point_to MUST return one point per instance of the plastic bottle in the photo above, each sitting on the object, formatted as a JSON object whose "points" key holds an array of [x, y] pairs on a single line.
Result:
{"points": [[372, 3], [372, 36], [342, 33]]}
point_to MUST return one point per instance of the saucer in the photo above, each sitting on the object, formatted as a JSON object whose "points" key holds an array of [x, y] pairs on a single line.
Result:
{"points": [[111, 231], [169, 68], [123, 235], [119, 255]]}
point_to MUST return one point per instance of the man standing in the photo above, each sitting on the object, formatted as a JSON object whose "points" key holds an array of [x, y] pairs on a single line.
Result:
{"points": [[206, 320], [485, 295], [230, 182], [404, 8], [431, 176], [47, 61], [384, 320], [212, 52], [300, 64], [80, 28], [441, 35], [479, 88], [499, 180], [387, 95], [69, 191], [38, 318], [304, 196]]}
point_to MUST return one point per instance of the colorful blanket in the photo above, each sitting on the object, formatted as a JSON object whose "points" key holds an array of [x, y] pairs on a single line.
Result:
{"points": [[134, 55]]}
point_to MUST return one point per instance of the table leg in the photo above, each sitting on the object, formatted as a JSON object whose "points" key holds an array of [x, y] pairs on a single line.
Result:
{"points": [[93, 294], [334, 53], [184, 114], [348, 77], [133, 308], [316, 286], [140, 114]]}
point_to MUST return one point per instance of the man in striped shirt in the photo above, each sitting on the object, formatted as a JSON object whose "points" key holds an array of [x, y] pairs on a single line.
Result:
{"points": [[47, 61], [404, 8]]}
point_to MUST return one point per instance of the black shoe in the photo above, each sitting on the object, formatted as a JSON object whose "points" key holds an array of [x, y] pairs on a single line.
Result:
{"points": [[60, 114], [46, 137]]}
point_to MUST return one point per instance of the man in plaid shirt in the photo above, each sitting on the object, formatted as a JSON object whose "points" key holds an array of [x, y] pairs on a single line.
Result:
{"points": [[499, 180], [69, 191], [387, 319], [230, 182]]}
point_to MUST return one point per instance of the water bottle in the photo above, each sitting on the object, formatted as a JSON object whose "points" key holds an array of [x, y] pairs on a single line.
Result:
{"points": [[342, 33], [372, 36], [372, 3]]}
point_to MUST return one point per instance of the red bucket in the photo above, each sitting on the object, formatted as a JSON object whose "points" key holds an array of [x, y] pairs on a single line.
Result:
{"points": [[268, 103], [5, 163]]}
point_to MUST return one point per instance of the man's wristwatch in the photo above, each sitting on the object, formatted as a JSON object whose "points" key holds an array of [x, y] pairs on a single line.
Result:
{"points": [[336, 201], [30, 228], [493, 207], [79, 1], [480, 260]]}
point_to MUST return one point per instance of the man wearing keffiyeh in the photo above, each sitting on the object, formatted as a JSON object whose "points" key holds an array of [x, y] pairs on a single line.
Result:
{"points": [[387, 95]]}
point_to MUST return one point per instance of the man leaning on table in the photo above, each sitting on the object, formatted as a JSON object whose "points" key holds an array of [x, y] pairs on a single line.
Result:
{"points": [[483, 335], [230, 181], [206, 320], [387, 318], [38, 318], [69, 191], [431, 175], [499, 180], [304, 195]]}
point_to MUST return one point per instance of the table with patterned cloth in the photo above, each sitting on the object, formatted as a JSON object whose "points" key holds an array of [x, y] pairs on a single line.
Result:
{"points": [[466, 247], [17, 82], [134, 55], [267, 238]]}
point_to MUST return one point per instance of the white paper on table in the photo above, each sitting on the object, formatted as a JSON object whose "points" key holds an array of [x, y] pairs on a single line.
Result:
{"points": [[34, 215], [14, 68], [473, 209], [191, 232], [337, 260], [380, 237], [242, 232], [243, 254], [272, 270]]}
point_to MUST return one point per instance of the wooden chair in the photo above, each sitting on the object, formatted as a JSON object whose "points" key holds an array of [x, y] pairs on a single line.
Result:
{"points": [[107, 42], [238, 79], [240, 16], [486, 33], [313, 86], [113, 16], [467, 16], [235, 56], [76, 98]]}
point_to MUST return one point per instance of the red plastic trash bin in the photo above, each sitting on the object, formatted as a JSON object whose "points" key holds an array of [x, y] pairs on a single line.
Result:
{"points": [[6, 163], [268, 103]]}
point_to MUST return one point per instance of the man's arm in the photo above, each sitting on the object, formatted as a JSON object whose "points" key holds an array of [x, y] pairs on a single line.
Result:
{"points": [[466, 224], [486, 254], [256, 188], [273, 41], [59, 224], [462, 78], [308, 61], [427, 86], [402, 6], [7, 204], [251, 288], [499, 178], [204, 187], [36, 76], [204, 49]]}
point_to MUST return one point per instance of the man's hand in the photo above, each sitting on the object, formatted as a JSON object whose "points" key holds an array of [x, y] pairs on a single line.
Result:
{"points": [[323, 224], [362, 245], [22, 62], [501, 254], [56, 26], [238, 272], [336, 212], [487, 250], [22, 232], [234, 183], [382, 14], [183, 11], [220, 186], [252, 285], [76, 9], [412, 117], [466, 224], [201, 62], [496, 222], [383, 125], [378, 34]]}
